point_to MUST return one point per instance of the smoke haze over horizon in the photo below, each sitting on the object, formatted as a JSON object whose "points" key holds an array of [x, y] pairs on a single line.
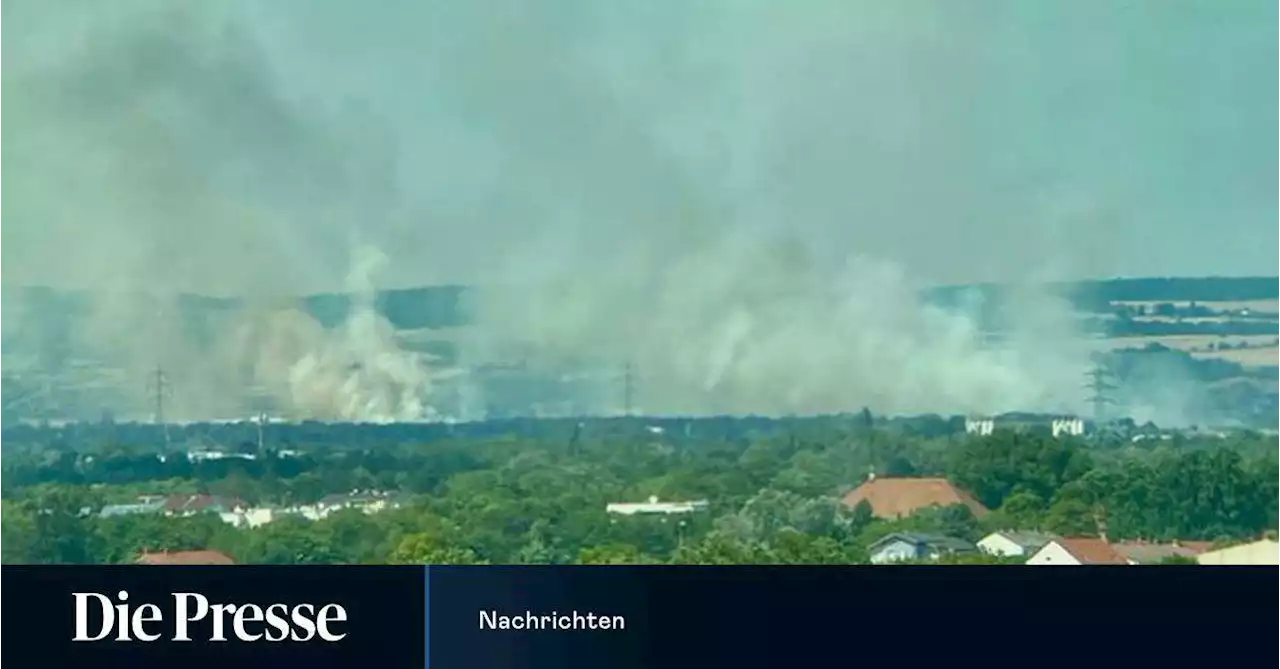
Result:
{"points": [[741, 197]]}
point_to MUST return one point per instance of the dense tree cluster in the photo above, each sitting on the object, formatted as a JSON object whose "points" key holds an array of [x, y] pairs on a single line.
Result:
{"points": [[774, 494]]}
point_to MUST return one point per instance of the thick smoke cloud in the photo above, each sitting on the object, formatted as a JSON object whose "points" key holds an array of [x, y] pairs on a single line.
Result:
{"points": [[741, 199]]}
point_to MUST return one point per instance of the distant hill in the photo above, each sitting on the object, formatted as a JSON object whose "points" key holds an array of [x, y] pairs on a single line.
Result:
{"points": [[409, 309], [1225, 343], [1151, 307], [1099, 295]]}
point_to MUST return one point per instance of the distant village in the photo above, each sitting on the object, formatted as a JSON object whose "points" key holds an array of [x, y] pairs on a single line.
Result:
{"points": [[1074, 426], [889, 498], [892, 498], [238, 513]]}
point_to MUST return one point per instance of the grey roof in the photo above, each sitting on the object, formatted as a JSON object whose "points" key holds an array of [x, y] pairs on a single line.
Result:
{"points": [[1028, 540], [921, 539]]}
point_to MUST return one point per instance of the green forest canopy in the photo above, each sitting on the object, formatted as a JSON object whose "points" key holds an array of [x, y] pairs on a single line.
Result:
{"points": [[774, 495]]}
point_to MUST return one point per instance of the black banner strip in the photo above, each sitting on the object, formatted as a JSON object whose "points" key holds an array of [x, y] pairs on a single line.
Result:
{"points": [[618, 617], [376, 611], [803, 616]]}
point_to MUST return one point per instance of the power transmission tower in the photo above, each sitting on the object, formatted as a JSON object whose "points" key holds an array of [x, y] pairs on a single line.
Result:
{"points": [[159, 387], [262, 422], [628, 388], [575, 439], [1100, 387]]}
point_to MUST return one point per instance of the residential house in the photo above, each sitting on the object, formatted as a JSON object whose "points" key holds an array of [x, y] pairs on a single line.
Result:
{"points": [[368, 501], [1014, 543], [1067, 426], [209, 456], [250, 517], [893, 497], [653, 506], [190, 505], [904, 546], [114, 510], [1058, 427], [983, 427], [1070, 551], [1142, 552], [205, 557], [1263, 552]]}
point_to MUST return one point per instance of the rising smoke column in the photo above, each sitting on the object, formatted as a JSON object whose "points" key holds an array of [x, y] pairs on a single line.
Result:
{"points": [[741, 197], [158, 154], [355, 372], [744, 328]]}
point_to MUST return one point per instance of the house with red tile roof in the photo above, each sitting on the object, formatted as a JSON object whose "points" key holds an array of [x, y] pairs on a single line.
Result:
{"points": [[1090, 550], [204, 557], [1074, 551], [898, 497]]}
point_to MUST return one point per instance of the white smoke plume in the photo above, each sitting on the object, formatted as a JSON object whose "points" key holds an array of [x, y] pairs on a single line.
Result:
{"points": [[768, 331], [742, 199], [360, 373], [355, 372]]}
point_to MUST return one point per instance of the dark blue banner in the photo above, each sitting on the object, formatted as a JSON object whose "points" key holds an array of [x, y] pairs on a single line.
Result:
{"points": [[702, 617], [616, 617], [229, 617]]}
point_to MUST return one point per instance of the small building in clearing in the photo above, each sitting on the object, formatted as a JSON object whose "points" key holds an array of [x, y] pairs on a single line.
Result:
{"points": [[653, 506]]}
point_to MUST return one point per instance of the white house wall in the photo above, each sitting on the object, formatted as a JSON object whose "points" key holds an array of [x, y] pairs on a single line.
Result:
{"points": [[1053, 554], [898, 551], [1257, 553], [998, 544]]}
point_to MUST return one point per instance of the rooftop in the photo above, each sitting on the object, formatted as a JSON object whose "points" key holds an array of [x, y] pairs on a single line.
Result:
{"points": [[892, 497], [201, 503], [1027, 540], [922, 539], [1091, 550], [1142, 552], [205, 557], [655, 506]]}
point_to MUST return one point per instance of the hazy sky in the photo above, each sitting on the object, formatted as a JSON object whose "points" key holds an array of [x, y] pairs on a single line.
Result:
{"points": [[238, 147]]}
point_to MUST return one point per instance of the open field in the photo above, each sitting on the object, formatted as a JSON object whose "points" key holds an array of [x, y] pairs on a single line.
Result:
{"points": [[1249, 357], [1196, 320], [1190, 342], [1261, 351], [1267, 306]]}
